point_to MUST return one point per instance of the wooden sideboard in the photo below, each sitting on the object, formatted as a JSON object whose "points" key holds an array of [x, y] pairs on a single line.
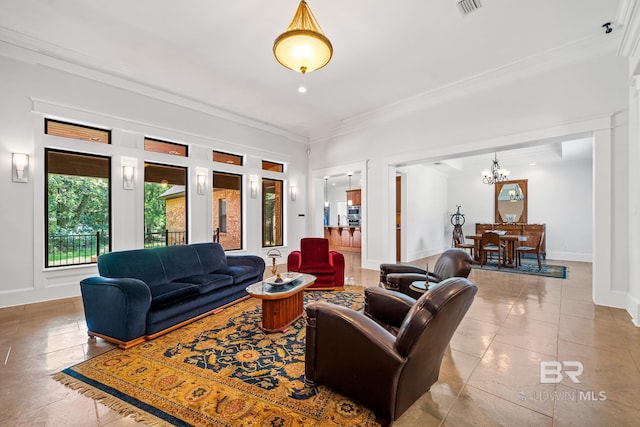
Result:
{"points": [[532, 231]]}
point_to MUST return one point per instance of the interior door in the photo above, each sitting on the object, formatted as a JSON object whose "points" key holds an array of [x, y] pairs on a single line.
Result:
{"points": [[398, 217]]}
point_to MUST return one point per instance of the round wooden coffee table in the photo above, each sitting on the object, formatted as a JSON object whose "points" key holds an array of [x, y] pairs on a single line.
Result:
{"points": [[281, 304]]}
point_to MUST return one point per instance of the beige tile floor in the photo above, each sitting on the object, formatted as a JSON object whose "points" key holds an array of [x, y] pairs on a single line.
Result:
{"points": [[490, 374]]}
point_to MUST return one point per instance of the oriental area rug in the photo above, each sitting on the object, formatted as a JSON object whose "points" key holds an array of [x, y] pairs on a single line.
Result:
{"points": [[220, 371], [529, 266]]}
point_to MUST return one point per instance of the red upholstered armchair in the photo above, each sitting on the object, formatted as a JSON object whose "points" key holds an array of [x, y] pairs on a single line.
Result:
{"points": [[314, 257]]}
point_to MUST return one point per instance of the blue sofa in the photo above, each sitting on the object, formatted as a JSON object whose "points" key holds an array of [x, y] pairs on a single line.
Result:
{"points": [[143, 293]]}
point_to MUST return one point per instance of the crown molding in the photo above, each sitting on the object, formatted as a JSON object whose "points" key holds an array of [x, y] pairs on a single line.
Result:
{"points": [[33, 50], [53, 109], [588, 47], [36, 51], [628, 17]]}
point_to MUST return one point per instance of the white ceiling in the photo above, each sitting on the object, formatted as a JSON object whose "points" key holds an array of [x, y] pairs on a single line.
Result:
{"points": [[219, 53], [543, 152]]}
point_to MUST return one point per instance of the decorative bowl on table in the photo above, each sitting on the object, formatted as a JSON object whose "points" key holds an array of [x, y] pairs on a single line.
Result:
{"points": [[282, 278]]}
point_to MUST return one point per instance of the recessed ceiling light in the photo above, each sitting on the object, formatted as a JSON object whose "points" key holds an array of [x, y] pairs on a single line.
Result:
{"points": [[302, 89], [532, 164]]}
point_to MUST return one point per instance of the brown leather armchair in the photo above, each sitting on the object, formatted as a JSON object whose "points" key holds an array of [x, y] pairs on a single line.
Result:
{"points": [[398, 277], [360, 354]]}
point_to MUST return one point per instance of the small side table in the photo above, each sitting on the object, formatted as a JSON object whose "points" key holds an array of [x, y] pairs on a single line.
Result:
{"points": [[419, 286]]}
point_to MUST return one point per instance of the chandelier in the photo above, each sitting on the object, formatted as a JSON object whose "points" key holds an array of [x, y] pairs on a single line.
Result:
{"points": [[495, 174], [303, 46], [516, 195]]}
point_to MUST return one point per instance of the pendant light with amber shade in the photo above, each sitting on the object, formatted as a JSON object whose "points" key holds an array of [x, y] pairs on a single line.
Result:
{"points": [[303, 47]]}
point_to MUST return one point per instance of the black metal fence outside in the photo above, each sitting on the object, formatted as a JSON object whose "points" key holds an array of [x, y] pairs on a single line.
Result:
{"points": [[76, 249], [156, 239]]}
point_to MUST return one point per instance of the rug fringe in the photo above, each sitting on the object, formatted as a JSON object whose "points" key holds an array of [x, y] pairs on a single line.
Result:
{"points": [[111, 402]]}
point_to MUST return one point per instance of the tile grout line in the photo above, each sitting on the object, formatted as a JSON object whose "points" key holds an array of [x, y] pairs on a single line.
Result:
{"points": [[466, 383]]}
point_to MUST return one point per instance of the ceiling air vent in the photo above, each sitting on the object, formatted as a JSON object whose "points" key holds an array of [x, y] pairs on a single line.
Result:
{"points": [[468, 6]]}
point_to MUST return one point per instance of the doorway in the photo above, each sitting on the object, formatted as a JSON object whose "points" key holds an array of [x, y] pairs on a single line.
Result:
{"points": [[398, 218]]}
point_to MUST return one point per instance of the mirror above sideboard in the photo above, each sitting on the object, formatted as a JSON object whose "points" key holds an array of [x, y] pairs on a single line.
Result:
{"points": [[511, 201]]}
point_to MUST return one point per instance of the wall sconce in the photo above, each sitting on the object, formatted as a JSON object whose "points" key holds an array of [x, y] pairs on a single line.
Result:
{"points": [[294, 193], [254, 188], [127, 177], [201, 181], [20, 168]]}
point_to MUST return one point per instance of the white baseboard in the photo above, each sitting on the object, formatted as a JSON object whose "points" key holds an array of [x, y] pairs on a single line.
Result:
{"points": [[570, 256], [633, 308], [32, 296]]}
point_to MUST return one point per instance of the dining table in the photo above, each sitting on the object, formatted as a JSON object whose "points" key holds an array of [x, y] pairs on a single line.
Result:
{"points": [[509, 240]]}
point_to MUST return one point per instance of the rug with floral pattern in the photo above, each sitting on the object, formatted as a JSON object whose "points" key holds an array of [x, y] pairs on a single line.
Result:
{"points": [[220, 371]]}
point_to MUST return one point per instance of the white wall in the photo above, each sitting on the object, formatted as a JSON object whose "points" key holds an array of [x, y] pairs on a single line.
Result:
{"points": [[424, 212], [576, 97], [32, 91]]}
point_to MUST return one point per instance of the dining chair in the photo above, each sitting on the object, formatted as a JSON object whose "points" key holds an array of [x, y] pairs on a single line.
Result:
{"points": [[491, 243], [459, 242], [520, 250]]}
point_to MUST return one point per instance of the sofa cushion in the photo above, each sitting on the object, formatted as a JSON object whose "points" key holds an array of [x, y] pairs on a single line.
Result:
{"points": [[169, 293], [211, 256], [207, 282], [240, 273], [142, 264], [179, 261]]}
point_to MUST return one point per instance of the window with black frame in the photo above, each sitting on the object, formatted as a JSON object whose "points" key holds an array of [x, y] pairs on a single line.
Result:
{"points": [[227, 210], [165, 205], [78, 207], [271, 212]]}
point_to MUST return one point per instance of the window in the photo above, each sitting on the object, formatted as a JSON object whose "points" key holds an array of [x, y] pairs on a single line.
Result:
{"points": [[227, 209], [271, 212], [222, 157], [165, 205], [69, 130], [77, 203], [165, 147], [273, 167]]}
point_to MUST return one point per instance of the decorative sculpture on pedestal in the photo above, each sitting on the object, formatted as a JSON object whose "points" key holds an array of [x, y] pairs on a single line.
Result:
{"points": [[273, 254], [457, 220]]}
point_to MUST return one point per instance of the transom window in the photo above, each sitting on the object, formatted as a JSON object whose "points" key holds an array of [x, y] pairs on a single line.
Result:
{"points": [[159, 146], [231, 159], [272, 166], [75, 131]]}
